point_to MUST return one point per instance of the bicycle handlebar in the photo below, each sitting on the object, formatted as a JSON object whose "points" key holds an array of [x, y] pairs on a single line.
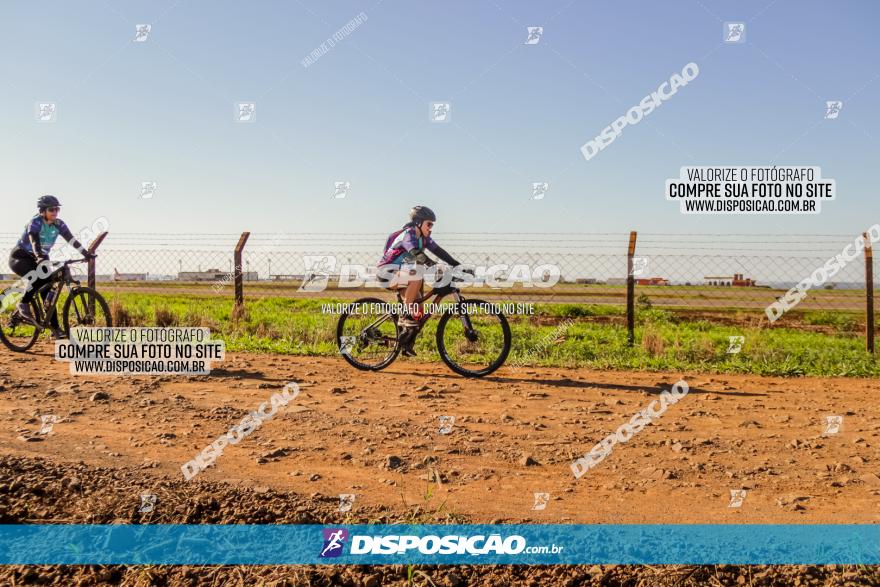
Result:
{"points": [[456, 279], [72, 262]]}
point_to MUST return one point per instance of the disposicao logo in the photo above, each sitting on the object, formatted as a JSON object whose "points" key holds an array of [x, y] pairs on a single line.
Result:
{"points": [[334, 540], [477, 545]]}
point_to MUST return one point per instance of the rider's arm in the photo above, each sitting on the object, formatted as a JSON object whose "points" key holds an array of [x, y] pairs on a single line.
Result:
{"points": [[441, 253], [33, 236], [68, 236]]}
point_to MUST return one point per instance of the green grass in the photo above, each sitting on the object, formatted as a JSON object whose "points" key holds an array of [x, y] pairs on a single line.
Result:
{"points": [[844, 322], [579, 310], [568, 335]]}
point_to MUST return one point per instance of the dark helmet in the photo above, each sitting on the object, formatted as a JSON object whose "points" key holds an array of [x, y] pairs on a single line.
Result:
{"points": [[47, 202], [420, 214]]}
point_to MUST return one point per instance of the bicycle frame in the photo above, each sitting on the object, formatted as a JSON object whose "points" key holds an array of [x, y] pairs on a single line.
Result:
{"points": [[438, 293], [46, 312], [457, 347], [49, 293]]}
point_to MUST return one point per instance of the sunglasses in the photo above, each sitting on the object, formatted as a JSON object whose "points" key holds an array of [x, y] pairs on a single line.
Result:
{"points": [[430, 224], [53, 208]]}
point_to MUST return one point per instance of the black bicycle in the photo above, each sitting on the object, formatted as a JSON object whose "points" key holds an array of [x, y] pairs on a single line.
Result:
{"points": [[83, 307], [473, 336]]}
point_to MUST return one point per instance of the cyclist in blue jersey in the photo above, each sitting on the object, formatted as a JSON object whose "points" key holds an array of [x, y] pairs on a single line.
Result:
{"points": [[33, 248], [405, 250]]}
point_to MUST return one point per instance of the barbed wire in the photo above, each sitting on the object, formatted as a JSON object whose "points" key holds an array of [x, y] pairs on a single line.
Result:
{"points": [[728, 272]]}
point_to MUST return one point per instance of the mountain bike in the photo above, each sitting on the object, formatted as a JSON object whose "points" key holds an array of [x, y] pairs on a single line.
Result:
{"points": [[83, 307], [473, 336]]}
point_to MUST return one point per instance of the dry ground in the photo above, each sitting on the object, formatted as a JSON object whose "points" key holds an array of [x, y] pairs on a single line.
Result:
{"points": [[376, 435]]}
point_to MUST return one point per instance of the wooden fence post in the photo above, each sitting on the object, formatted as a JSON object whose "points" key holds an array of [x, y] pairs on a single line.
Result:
{"points": [[239, 286], [869, 294], [91, 268], [630, 289]]}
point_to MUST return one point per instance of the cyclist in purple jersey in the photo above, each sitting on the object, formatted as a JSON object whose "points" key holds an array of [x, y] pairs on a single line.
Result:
{"points": [[33, 248], [405, 249]]}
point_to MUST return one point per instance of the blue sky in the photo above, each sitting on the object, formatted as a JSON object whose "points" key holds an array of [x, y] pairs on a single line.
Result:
{"points": [[163, 111]]}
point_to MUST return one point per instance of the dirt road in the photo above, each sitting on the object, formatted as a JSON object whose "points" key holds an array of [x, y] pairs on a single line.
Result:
{"points": [[377, 435]]}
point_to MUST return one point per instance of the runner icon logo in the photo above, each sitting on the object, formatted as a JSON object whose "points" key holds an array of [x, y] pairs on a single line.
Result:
{"points": [[446, 424], [317, 273], [47, 423], [535, 33], [47, 112], [539, 189], [346, 500], [334, 540], [341, 189], [734, 32], [148, 189], [639, 266], [440, 112], [246, 112], [832, 109], [736, 344], [832, 425], [347, 344], [148, 502], [541, 501], [141, 32], [737, 496]]}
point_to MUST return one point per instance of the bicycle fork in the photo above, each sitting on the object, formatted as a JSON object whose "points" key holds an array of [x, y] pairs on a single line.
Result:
{"points": [[469, 332]]}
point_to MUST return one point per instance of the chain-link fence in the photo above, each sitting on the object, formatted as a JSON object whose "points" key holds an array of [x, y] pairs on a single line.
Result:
{"points": [[711, 277], [747, 273]]}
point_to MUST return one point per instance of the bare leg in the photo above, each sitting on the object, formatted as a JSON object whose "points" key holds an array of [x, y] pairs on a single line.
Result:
{"points": [[412, 292], [411, 286]]}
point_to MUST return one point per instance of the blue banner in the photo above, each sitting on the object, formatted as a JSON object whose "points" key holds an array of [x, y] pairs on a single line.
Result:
{"points": [[523, 544]]}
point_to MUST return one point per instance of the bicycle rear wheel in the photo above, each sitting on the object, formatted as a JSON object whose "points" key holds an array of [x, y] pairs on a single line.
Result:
{"points": [[16, 334], [366, 336], [475, 340], [85, 307]]}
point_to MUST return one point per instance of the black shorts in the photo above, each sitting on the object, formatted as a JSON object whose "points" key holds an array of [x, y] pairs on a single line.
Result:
{"points": [[21, 262]]}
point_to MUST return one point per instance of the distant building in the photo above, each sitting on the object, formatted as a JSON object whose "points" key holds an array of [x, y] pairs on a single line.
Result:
{"points": [[117, 276], [215, 275], [735, 280], [652, 281], [585, 280]]}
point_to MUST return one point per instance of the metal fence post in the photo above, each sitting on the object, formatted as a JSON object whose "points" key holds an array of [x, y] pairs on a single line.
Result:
{"points": [[869, 294], [91, 268], [239, 286], [630, 290]]}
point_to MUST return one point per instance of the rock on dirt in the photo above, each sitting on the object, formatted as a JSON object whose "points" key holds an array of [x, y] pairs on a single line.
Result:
{"points": [[526, 460], [392, 462]]}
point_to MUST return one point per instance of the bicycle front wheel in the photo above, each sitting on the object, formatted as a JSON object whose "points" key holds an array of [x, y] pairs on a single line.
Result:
{"points": [[16, 334], [475, 340], [367, 336], [86, 307]]}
